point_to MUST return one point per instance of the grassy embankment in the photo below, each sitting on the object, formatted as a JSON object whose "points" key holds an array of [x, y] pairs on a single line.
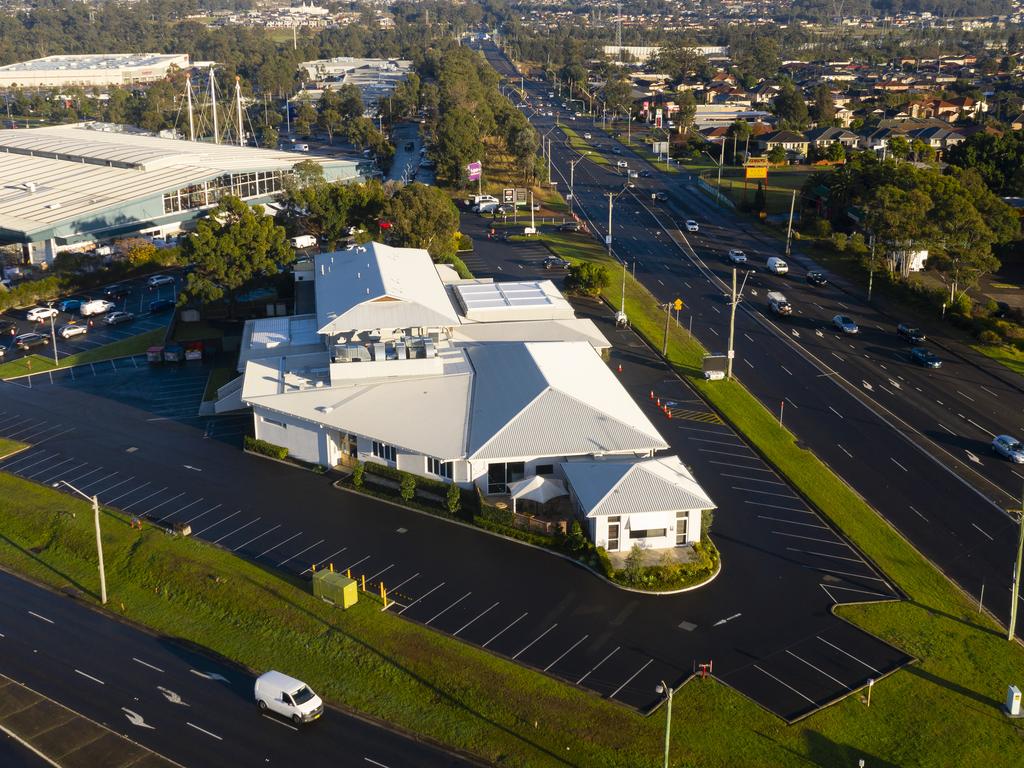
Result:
{"points": [[133, 345]]}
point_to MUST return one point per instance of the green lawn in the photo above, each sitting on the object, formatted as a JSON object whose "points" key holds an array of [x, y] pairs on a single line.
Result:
{"points": [[219, 376], [1011, 357], [581, 145], [7, 447], [778, 192], [133, 345]]}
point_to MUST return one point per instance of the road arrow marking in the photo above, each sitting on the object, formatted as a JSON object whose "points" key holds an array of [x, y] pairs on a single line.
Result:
{"points": [[723, 621], [819, 334], [171, 696], [867, 386], [136, 719], [895, 384], [973, 458], [795, 333], [209, 675]]}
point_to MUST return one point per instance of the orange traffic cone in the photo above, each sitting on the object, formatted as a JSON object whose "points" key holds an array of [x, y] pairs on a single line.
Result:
{"points": [[652, 394], [659, 402], [620, 367]]}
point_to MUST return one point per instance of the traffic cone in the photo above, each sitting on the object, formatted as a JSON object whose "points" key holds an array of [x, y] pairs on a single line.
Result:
{"points": [[659, 402], [668, 413], [620, 367], [652, 394]]}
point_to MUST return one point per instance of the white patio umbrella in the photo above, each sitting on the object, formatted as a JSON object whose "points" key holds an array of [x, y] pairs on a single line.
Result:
{"points": [[537, 488]]}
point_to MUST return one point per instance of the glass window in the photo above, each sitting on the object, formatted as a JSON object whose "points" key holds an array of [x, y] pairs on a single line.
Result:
{"points": [[545, 469], [682, 526], [439, 468], [650, 533], [384, 451], [280, 424], [613, 534]]}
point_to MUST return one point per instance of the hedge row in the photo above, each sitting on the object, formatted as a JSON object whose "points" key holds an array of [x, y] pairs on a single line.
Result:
{"points": [[264, 448]]}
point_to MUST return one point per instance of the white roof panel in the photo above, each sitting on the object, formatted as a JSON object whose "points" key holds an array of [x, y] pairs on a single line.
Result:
{"points": [[635, 488]]}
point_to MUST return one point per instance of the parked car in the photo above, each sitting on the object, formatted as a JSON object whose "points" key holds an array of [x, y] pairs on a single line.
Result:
{"points": [[288, 697], [815, 277], [1009, 448], [844, 324], [505, 208], [737, 256], [72, 329], [117, 318], [571, 226], [28, 340], [692, 226], [8, 327], [925, 357], [70, 304], [161, 305], [155, 281], [41, 313], [910, 333], [95, 307], [117, 291], [555, 262]]}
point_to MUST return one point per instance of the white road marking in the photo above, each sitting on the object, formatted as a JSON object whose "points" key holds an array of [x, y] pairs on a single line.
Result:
{"points": [[812, 538], [203, 730], [445, 610], [222, 520], [630, 679], [947, 429], [973, 458], [713, 331], [279, 721], [217, 541], [982, 532], [144, 498], [357, 562], [94, 679], [794, 522], [399, 586], [136, 719], [845, 451], [822, 554], [791, 402], [171, 696], [410, 605], [776, 506], [727, 620], [767, 493], [209, 675], [40, 616], [516, 621], [302, 552], [169, 515], [378, 573], [602, 661], [840, 360], [783, 682], [748, 362], [837, 413], [990, 434], [206, 512], [479, 615], [897, 463], [967, 397], [146, 664], [571, 648], [374, 762], [786, 369], [918, 514], [528, 645], [752, 479], [988, 390], [826, 674], [79, 478], [151, 509], [280, 543], [826, 642], [44, 469]]}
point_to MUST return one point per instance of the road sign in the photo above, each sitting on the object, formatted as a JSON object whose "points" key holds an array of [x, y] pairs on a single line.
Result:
{"points": [[677, 304], [659, 147], [607, 239], [657, 118], [475, 170], [756, 172], [521, 196], [508, 195]]}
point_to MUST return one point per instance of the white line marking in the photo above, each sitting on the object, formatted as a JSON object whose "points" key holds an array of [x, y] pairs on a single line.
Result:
{"points": [[837, 413], [442, 612], [145, 664], [794, 522], [834, 542], [982, 532], [374, 762], [516, 621], [169, 515], [214, 525], [751, 479], [967, 397], [410, 605], [151, 509], [602, 661], [279, 721], [44, 469], [250, 541], [645, 666], [897, 463], [767, 493], [480, 615], [39, 616], [988, 390], [826, 642], [947, 429], [300, 553], [203, 730], [776, 506], [822, 554], [786, 369], [571, 648], [395, 589], [919, 514], [321, 562], [215, 506], [845, 451], [862, 591], [783, 682], [144, 498], [369, 578], [217, 541], [94, 679]]}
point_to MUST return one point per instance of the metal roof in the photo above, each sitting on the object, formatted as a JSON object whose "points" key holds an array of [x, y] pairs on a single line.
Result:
{"points": [[92, 62], [574, 329], [376, 286], [520, 300], [632, 488]]}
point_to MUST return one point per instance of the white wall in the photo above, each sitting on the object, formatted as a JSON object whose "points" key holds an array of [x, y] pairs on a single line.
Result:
{"points": [[304, 441], [598, 529]]}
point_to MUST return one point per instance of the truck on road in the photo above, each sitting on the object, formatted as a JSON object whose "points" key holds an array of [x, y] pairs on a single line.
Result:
{"points": [[778, 304]]}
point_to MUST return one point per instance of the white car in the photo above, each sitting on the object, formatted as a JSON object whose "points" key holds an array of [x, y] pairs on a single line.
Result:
{"points": [[586, 135], [621, 164], [691, 226], [40, 313], [157, 280], [96, 307], [70, 330], [737, 256]]}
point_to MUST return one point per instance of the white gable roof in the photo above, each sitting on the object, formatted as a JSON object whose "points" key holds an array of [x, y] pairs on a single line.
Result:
{"points": [[632, 488], [377, 286]]}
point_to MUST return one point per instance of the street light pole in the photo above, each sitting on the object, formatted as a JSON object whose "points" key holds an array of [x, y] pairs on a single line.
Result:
{"points": [[99, 541], [611, 198], [666, 691], [1015, 590], [789, 230], [721, 161], [732, 327], [53, 340]]}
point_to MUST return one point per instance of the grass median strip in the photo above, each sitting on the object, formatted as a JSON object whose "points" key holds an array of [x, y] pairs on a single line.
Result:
{"points": [[133, 345], [583, 146]]}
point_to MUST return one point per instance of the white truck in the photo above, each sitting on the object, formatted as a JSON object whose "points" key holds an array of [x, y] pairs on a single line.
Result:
{"points": [[287, 697], [778, 304], [303, 241]]}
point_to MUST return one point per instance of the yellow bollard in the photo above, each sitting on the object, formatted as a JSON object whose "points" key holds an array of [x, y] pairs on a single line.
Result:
{"points": [[348, 573], [364, 582], [313, 568], [332, 567], [383, 594]]}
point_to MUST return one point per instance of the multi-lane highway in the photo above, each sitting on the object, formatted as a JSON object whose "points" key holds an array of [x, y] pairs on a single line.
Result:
{"points": [[913, 441]]}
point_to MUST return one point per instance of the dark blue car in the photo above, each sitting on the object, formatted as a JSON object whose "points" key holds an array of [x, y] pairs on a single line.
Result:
{"points": [[72, 304], [161, 305]]}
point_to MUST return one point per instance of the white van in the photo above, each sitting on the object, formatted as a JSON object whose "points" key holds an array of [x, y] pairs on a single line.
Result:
{"points": [[300, 147], [303, 241], [486, 206], [287, 696], [477, 199], [777, 266], [96, 307]]}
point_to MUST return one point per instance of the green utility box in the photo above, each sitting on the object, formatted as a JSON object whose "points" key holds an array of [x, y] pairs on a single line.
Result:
{"points": [[335, 588]]}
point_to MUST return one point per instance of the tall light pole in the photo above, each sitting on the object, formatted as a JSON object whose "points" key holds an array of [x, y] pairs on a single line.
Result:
{"points": [[789, 229], [99, 541], [608, 237], [721, 161], [572, 178], [666, 691], [53, 339], [1015, 590]]}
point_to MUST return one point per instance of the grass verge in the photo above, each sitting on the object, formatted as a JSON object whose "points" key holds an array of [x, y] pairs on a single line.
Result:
{"points": [[583, 146], [1008, 356], [133, 345], [219, 376], [7, 447]]}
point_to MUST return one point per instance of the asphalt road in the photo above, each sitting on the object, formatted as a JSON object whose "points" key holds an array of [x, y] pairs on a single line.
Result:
{"points": [[765, 622], [14, 755], [169, 698], [895, 432]]}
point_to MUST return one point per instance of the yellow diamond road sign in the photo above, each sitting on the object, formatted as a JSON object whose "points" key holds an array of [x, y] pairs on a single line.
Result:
{"points": [[678, 305]]}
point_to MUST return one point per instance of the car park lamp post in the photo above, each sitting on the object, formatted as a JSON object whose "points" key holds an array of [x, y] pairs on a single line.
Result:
{"points": [[666, 691], [99, 541], [572, 178], [1015, 588], [53, 339]]}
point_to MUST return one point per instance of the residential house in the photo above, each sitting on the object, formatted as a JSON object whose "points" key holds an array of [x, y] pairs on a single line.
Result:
{"points": [[820, 138], [793, 142]]}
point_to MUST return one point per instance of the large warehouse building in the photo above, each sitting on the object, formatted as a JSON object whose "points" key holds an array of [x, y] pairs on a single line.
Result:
{"points": [[65, 186], [91, 70]]}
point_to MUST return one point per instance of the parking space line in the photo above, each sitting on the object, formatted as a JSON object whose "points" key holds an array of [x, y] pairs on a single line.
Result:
{"points": [[602, 661], [357, 562], [208, 511], [97, 482], [839, 542], [826, 642], [478, 616], [862, 591], [169, 515], [812, 666], [33, 438], [144, 498], [804, 511], [378, 573], [17, 422], [151, 509], [844, 573], [78, 478], [442, 612], [630, 679], [118, 484], [250, 541], [53, 437], [748, 469], [766, 493], [737, 444], [571, 648], [261, 554], [751, 457], [794, 522], [214, 525], [399, 586], [410, 605], [26, 457], [128, 493], [751, 479], [528, 645], [50, 468], [218, 541], [32, 425], [299, 553], [822, 554], [55, 475], [321, 562], [783, 682]]}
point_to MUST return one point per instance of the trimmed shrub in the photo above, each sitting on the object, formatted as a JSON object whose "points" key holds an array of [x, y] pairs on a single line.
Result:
{"points": [[604, 563], [264, 448], [989, 337], [357, 474], [408, 487], [454, 499], [839, 240]]}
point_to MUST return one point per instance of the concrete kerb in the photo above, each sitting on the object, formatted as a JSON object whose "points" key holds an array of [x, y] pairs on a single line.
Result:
{"points": [[563, 556], [70, 367]]}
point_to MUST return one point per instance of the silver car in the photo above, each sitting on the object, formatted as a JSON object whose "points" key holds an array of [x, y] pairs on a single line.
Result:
{"points": [[1009, 448], [844, 324]]}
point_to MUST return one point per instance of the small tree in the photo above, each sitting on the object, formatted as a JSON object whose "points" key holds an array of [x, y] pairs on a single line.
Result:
{"points": [[634, 570], [454, 499], [408, 487], [588, 279], [357, 474], [836, 152], [777, 154]]}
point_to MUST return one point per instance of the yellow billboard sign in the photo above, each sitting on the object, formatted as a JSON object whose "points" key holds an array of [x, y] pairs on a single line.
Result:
{"points": [[756, 172]]}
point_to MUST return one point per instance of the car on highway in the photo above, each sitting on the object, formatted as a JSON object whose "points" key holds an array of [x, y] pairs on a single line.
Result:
{"points": [[71, 330], [736, 256], [70, 304], [8, 327], [288, 697], [556, 262], [816, 277], [692, 226], [95, 307], [925, 357], [117, 291], [621, 164], [910, 333], [117, 318], [155, 281], [586, 135], [660, 196], [28, 340], [645, 174], [616, 151], [161, 305], [845, 324], [1009, 448], [36, 314]]}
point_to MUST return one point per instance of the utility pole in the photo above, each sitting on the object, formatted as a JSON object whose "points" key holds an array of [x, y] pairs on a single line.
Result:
{"points": [[549, 162], [53, 340], [611, 198], [1015, 590], [732, 327], [721, 162], [191, 121], [789, 230], [238, 107], [871, 267]]}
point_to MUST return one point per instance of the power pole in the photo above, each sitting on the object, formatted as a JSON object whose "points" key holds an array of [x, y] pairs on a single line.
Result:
{"points": [[789, 230], [721, 161], [1015, 590], [611, 198], [871, 273], [732, 327]]}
